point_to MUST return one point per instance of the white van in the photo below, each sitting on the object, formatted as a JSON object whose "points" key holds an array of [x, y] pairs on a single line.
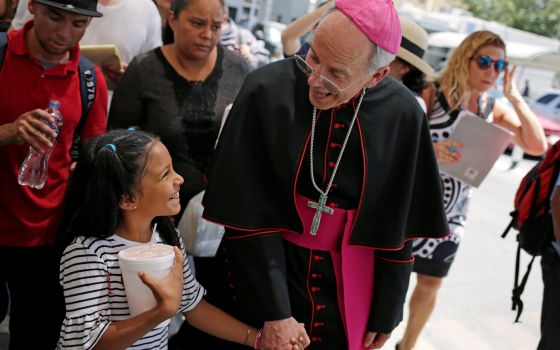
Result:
{"points": [[548, 105]]}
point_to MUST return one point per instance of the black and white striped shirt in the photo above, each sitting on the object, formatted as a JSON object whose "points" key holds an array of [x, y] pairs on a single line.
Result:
{"points": [[94, 293]]}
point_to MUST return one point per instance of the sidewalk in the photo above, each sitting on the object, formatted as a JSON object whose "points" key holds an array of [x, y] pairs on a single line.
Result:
{"points": [[473, 310]]}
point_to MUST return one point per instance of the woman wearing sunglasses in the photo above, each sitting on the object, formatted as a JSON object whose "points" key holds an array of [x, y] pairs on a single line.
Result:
{"points": [[462, 85]]}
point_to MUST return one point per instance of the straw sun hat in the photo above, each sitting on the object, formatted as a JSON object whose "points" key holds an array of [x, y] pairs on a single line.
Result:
{"points": [[413, 45]]}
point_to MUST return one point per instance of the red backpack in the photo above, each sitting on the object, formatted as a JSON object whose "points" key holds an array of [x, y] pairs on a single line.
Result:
{"points": [[531, 216]]}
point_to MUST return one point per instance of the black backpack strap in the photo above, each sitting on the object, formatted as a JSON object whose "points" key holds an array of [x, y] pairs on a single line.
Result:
{"points": [[555, 172], [445, 105], [3, 46], [88, 86], [517, 303], [513, 215]]}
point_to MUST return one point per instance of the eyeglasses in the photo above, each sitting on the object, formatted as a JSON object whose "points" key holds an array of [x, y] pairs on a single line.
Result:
{"points": [[327, 84], [484, 62]]}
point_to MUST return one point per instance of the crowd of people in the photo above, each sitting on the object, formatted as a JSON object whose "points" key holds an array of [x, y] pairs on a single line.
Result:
{"points": [[325, 176]]}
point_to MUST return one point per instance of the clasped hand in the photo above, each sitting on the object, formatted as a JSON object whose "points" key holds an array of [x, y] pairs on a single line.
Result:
{"points": [[286, 334]]}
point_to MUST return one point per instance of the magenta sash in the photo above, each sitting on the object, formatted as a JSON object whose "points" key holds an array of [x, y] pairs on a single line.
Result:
{"points": [[353, 266]]}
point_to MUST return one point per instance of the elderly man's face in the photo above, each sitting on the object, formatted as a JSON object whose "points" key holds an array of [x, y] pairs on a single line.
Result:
{"points": [[340, 53]]}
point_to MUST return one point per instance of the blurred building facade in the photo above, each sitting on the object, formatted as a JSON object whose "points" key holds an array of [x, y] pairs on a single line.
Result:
{"points": [[250, 12], [431, 5]]}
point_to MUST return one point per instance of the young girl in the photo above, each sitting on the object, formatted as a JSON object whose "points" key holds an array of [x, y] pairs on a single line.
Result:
{"points": [[124, 184]]}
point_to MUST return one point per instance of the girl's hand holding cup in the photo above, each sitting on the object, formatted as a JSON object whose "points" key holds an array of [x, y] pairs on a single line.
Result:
{"points": [[169, 290]]}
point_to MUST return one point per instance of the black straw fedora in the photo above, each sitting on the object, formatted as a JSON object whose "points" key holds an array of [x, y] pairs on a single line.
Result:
{"points": [[79, 7]]}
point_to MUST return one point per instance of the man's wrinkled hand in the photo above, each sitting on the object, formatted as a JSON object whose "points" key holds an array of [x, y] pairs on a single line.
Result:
{"points": [[284, 334]]}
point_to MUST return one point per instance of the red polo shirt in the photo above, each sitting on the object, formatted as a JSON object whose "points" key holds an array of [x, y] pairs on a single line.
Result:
{"points": [[30, 217]]}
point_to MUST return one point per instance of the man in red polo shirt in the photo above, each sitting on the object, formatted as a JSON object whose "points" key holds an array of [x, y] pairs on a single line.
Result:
{"points": [[40, 64]]}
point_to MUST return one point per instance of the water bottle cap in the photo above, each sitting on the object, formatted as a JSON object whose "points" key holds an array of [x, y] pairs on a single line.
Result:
{"points": [[54, 103]]}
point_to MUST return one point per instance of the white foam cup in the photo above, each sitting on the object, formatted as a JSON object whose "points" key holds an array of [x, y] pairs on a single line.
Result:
{"points": [[155, 259]]}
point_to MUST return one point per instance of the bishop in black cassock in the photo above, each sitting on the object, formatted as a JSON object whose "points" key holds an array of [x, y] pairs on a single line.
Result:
{"points": [[351, 276]]}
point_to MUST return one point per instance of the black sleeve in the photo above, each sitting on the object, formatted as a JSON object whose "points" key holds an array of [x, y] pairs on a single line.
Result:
{"points": [[258, 276], [392, 275], [126, 105]]}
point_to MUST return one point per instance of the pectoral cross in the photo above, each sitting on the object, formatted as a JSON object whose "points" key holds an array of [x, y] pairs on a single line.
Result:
{"points": [[320, 207]]}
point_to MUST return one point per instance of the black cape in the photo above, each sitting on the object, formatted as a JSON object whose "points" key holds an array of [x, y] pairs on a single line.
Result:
{"points": [[252, 179]]}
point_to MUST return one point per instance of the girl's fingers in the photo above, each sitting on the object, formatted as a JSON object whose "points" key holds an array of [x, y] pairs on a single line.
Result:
{"points": [[148, 280]]}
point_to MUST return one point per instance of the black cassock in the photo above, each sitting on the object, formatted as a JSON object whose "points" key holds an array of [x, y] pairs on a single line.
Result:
{"points": [[388, 175]]}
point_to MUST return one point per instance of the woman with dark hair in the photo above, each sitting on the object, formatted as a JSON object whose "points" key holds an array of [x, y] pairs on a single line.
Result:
{"points": [[180, 91], [414, 79], [121, 194]]}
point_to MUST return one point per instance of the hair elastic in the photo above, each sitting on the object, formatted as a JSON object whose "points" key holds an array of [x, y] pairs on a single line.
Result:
{"points": [[111, 147]]}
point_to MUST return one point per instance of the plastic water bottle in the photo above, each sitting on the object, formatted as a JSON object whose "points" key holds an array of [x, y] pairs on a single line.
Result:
{"points": [[33, 170]]}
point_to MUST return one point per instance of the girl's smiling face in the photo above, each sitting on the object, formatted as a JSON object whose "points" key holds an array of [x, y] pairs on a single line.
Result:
{"points": [[158, 191]]}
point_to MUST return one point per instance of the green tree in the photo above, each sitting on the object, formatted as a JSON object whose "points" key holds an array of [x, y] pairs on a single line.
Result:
{"points": [[536, 16]]}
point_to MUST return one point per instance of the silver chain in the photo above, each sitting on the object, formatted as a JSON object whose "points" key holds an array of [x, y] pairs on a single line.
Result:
{"points": [[326, 192]]}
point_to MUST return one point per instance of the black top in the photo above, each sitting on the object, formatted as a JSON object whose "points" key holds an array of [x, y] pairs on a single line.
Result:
{"points": [[186, 114]]}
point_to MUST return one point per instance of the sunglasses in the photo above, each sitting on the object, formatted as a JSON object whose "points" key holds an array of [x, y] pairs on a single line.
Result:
{"points": [[484, 62]]}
